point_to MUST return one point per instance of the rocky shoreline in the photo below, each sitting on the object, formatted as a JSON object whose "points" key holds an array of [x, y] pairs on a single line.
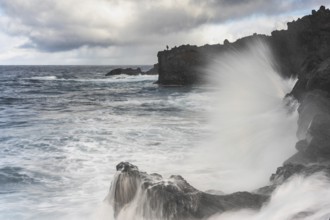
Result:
{"points": [[303, 51]]}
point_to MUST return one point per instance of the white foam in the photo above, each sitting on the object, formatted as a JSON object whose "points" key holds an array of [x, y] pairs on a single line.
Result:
{"points": [[43, 78], [300, 198]]}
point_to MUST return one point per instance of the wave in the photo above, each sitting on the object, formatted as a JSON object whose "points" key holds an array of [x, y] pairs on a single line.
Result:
{"points": [[115, 79], [252, 129], [253, 132], [42, 78], [301, 198], [14, 175]]}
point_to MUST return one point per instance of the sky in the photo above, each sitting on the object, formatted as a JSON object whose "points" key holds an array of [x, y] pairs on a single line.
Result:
{"points": [[119, 32]]}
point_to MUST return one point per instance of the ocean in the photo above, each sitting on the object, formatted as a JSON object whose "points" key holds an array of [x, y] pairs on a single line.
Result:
{"points": [[63, 129]]}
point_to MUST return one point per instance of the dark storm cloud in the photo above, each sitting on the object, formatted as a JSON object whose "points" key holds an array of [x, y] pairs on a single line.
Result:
{"points": [[64, 25]]}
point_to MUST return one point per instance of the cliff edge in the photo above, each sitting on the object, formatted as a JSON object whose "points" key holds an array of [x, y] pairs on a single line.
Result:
{"points": [[306, 38]]}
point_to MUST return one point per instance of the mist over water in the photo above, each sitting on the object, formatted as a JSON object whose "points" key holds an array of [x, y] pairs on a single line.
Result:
{"points": [[253, 130]]}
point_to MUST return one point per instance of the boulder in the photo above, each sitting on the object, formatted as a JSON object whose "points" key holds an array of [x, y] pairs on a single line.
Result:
{"points": [[154, 197]]}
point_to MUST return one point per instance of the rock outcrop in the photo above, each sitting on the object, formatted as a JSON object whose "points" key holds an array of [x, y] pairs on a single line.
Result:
{"points": [[306, 39], [312, 90], [288, 171], [127, 71], [133, 72], [153, 70], [153, 197]]}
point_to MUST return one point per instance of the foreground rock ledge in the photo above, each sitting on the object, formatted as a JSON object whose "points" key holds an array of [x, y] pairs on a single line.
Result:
{"points": [[153, 197]]}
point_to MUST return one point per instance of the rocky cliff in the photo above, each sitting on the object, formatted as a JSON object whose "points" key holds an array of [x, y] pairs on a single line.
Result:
{"points": [[306, 38]]}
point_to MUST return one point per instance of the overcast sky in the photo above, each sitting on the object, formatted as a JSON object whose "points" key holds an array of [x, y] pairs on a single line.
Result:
{"points": [[115, 32]]}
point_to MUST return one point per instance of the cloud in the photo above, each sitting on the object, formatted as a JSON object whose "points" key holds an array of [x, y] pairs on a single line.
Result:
{"points": [[122, 27], [64, 25]]}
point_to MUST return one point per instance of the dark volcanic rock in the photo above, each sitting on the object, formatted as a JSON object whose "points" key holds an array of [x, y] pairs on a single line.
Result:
{"points": [[153, 70], [313, 130], [315, 75], [312, 90], [179, 66], [306, 39], [133, 72], [173, 198], [185, 65], [315, 148], [127, 71], [288, 171]]}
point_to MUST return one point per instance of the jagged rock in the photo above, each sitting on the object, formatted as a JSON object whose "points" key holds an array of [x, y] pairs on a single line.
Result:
{"points": [[127, 71], [313, 129], [315, 75], [315, 148], [312, 90], [154, 197], [287, 171]]}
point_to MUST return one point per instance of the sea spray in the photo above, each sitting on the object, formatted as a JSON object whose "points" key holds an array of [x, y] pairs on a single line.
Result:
{"points": [[300, 198], [253, 128]]}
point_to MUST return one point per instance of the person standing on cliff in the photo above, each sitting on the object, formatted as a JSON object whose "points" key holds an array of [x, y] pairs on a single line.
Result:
{"points": [[167, 47]]}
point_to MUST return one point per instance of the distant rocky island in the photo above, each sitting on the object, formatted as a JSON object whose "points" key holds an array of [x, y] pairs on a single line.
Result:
{"points": [[133, 72], [302, 51]]}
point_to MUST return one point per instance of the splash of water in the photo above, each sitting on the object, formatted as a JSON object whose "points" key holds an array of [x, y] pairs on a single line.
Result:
{"points": [[253, 129], [298, 199], [254, 132]]}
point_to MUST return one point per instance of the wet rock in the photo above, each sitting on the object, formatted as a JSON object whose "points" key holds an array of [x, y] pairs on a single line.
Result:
{"points": [[154, 197], [313, 129], [287, 171]]}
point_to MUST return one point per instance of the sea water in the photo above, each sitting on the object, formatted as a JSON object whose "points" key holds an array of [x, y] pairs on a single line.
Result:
{"points": [[64, 128]]}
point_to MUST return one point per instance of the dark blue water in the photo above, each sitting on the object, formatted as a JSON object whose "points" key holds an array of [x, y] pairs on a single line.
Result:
{"points": [[64, 128]]}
